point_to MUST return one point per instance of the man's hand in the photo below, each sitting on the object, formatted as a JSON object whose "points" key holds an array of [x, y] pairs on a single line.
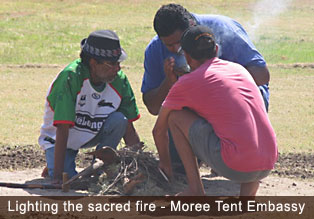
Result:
{"points": [[131, 137], [171, 76], [154, 98]]}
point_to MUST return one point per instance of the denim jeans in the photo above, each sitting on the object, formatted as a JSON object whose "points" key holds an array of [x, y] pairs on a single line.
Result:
{"points": [[110, 135], [265, 94]]}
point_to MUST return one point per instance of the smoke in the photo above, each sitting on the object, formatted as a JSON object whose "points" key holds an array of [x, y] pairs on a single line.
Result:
{"points": [[263, 11]]}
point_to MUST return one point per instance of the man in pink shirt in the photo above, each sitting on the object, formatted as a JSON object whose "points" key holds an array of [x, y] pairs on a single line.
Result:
{"points": [[215, 114]]}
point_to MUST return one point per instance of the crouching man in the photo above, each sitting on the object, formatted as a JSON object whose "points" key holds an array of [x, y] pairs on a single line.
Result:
{"points": [[215, 113], [89, 103]]}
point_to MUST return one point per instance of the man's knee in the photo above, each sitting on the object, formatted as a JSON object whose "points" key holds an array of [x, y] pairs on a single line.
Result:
{"points": [[115, 121], [118, 118], [113, 130]]}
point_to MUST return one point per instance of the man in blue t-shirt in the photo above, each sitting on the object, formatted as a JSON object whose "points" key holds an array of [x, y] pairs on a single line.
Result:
{"points": [[160, 55]]}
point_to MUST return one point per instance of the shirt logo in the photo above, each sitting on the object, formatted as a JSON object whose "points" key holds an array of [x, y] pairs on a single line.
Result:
{"points": [[82, 101], [103, 103], [96, 96], [84, 121]]}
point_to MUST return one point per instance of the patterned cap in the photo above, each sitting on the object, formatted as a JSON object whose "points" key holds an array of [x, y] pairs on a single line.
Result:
{"points": [[104, 45]]}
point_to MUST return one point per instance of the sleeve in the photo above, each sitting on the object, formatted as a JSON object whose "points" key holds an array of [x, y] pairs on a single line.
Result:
{"points": [[128, 103], [153, 65], [62, 98]]}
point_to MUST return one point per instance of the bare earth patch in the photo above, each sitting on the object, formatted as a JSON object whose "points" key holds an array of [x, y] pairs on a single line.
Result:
{"points": [[293, 175]]}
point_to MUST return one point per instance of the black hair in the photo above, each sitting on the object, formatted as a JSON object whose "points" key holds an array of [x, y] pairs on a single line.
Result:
{"points": [[170, 18], [199, 42], [203, 54], [203, 51]]}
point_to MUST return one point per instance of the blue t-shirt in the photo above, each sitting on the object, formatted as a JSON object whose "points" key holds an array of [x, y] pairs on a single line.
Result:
{"points": [[234, 45]]}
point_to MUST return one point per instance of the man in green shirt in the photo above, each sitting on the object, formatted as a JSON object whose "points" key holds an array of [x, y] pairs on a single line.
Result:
{"points": [[89, 103]]}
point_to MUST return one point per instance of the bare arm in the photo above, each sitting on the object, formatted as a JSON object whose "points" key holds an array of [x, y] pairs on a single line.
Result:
{"points": [[260, 75], [60, 150], [154, 98], [160, 133], [131, 137]]}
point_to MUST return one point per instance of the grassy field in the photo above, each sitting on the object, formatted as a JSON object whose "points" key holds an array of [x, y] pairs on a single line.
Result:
{"points": [[49, 32]]}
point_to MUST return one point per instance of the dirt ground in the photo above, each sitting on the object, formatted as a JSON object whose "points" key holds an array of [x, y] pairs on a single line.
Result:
{"points": [[293, 175]]}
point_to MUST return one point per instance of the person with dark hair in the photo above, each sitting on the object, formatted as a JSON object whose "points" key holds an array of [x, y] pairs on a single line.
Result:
{"points": [[215, 113], [170, 22], [163, 61], [180, 19], [90, 103]]}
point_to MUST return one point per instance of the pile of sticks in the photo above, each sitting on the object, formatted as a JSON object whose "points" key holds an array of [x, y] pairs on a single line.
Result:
{"points": [[136, 170], [115, 172]]}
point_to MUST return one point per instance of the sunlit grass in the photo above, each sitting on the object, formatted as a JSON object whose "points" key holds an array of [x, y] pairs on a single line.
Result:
{"points": [[292, 108], [49, 32]]}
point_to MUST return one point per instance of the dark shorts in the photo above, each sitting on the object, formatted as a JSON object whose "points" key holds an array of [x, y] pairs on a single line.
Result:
{"points": [[206, 146]]}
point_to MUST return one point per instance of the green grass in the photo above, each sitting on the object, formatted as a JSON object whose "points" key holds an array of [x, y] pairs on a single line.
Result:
{"points": [[292, 108], [289, 38], [282, 49], [36, 31], [49, 32], [22, 96]]}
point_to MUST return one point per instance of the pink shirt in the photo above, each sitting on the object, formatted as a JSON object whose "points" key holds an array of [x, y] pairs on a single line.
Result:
{"points": [[225, 94]]}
